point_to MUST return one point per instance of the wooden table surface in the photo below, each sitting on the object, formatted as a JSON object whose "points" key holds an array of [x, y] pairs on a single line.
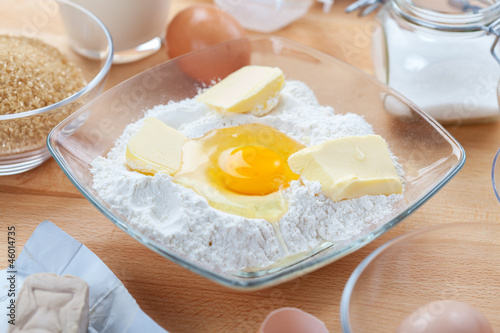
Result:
{"points": [[181, 301]]}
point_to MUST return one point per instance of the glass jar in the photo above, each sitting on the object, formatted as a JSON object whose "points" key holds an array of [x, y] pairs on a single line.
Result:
{"points": [[265, 16], [442, 55]]}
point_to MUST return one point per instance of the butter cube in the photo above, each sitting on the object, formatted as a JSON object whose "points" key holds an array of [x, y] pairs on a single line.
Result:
{"points": [[349, 167], [253, 89], [156, 147], [50, 303]]}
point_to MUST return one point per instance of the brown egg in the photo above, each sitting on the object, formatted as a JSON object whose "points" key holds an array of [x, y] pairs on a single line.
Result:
{"points": [[200, 26], [446, 316], [291, 320]]}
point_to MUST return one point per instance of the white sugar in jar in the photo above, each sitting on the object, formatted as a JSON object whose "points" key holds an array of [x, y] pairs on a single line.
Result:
{"points": [[437, 54]]}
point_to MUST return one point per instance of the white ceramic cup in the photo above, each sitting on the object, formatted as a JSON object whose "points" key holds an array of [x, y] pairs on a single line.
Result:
{"points": [[136, 26]]}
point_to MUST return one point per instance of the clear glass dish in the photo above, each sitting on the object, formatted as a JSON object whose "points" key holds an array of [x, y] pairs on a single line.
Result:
{"points": [[73, 31], [495, 174], [429, 155], [456, 261]]}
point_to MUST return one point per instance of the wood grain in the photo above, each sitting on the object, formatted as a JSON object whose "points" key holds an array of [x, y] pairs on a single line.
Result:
{"points": [[181, 301]]}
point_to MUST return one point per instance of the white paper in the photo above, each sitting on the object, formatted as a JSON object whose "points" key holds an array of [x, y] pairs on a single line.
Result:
{"points": [[49, 249]]}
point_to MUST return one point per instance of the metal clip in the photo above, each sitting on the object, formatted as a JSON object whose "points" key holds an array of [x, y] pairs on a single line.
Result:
{"points": [[365, 6], [493, 29]]}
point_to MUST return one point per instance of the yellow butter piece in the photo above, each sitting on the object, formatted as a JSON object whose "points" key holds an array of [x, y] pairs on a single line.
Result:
{"points": [[156, 147], [349, 167], [253, 89]]}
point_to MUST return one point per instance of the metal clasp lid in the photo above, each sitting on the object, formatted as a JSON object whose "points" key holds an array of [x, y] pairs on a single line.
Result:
{"points": [[493, 29], [365, 7]]}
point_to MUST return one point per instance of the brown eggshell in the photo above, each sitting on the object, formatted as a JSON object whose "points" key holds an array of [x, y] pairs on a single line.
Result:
{"points": [[291, 320], [446, 316], [200, 26], [217, 62]]}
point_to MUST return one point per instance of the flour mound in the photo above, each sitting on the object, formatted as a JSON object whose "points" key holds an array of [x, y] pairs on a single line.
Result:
{"points": [[183, 222]]}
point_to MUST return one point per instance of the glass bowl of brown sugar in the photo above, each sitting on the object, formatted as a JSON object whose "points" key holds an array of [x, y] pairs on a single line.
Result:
{"points": [[54, 57]]}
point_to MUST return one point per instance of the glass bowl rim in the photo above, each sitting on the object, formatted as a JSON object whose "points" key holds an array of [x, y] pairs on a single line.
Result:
{"points": [[260, 282], [496, 161], [358, 271], [98, 78]]}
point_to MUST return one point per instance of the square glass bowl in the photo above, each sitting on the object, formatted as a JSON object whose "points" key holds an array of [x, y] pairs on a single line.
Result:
{"points": [[429, 155]]}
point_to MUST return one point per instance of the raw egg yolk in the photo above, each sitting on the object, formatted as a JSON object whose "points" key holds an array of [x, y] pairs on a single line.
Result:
{"points": [[253, 170], [240, 170]]}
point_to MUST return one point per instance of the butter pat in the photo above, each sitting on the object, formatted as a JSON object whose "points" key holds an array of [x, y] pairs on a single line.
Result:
{"points": [[252, 89], [51, 303], [155, 148], [349, 167]]}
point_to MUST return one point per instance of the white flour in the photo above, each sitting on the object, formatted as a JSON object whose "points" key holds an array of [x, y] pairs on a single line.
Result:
{"points": [[184, 222]]}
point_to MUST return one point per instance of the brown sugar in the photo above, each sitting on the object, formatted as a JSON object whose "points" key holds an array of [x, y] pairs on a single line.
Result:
{"points": [[33, 75]]}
